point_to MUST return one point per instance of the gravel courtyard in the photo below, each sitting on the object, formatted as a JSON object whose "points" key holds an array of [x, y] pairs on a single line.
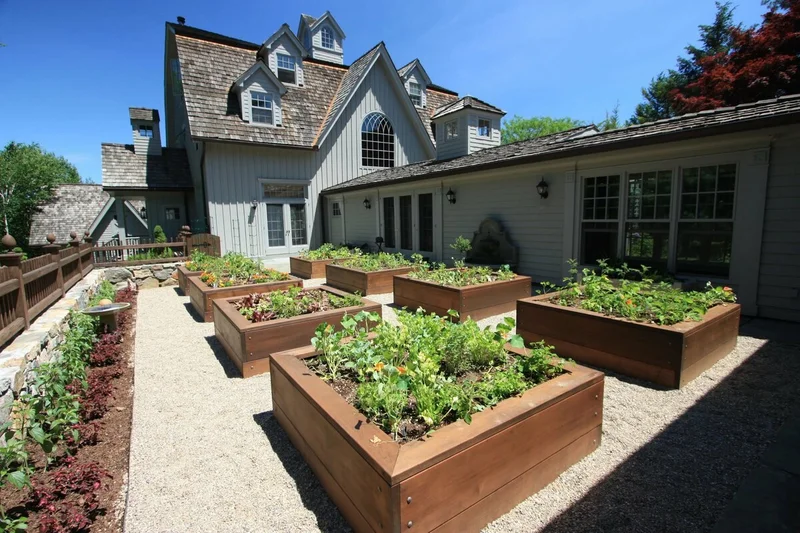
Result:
{"points": [[207, 455]]}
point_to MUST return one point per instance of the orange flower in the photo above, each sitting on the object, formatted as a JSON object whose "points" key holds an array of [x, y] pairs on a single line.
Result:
{"points": [[401, 370], [629, 302], [727, 289], [378, 367]]}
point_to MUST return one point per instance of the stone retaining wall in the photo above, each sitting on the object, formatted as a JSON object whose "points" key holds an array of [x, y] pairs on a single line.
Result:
{"points": [[145, 276], [39, 343]]}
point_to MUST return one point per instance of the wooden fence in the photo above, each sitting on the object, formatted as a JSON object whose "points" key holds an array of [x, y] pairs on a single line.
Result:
{"points": [[139, 253]]}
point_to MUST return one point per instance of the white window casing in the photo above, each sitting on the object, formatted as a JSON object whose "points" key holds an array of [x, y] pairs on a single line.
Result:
{"points": [[451, 130], [326, 38], [484, 128], [261, 109], [415, 91], [287, 68]]}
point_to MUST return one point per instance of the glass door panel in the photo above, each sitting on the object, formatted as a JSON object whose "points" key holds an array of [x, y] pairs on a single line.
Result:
{"points": [[276, 235], [425, 202], [297, 225], [406, 224], [388, 223]]}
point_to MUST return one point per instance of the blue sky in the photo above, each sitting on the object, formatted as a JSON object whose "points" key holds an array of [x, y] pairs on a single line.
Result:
{"points": [[70, 70]]}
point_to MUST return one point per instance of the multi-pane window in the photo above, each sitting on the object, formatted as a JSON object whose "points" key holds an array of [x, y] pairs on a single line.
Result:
{"points": [[484, 127], [261, 107], [172, 213], [705, 226], [451, 130], [425, 202], [388, 222], [278, 190], [145, 131], [415, 91], [297, 218], [336, 209], [600, 215], [275, 229], [406, 224], [647, 217], [377, 141], [327, 38], [286, 68]]}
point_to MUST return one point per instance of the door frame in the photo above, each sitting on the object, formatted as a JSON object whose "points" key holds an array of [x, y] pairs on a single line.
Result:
{"points": [[436, 254], [288, 248]]}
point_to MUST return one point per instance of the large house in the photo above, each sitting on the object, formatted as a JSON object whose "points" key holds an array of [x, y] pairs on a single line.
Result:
{"points": [[279, 146]]}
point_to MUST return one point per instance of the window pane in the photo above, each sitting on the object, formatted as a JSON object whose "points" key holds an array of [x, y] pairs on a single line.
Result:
{"points": [[600, 208], [705, 247], [689, 180], [648, 207], [664, 182], [647, 243], [405, 223], [634, 185], [601, 187], [377, 141], [286, 76], [388, 222], [274, 190], [724, 205], [708, 179], [613, 185], [588, 209], [688, 206], [588, 188], [275, 235], [425, 222], [705, 205], [727, 178], [662, 207], [598, 241], [297, 214], [649, 183], [634, 207], [612, 208]]}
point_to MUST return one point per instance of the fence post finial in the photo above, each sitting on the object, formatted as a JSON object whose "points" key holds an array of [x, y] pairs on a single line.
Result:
{"points": [[9, 242], [87, 236], [51, 238]]}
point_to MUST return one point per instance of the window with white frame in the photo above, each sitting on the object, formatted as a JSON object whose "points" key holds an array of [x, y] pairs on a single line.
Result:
{"points": [[286, 68], [484, 127], [705, 223], [280, 190], [451, 130], [647, 218], [377, 141], [336, 209], [599, 218], [415, 91], [326, 35], [145, 131], [261, 107]]}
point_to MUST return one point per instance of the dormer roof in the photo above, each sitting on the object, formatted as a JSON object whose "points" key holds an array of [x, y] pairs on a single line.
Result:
{"points": [[467, 102], [259, 66], [409, 68], [283, 30], [314, 23]]}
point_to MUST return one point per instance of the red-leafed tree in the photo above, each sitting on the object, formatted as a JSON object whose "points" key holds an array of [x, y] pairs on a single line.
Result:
{"points": [[763, 62]]}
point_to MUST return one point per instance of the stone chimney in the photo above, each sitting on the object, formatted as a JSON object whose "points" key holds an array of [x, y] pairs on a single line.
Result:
{"points": [[466, 126], [146, 131]]}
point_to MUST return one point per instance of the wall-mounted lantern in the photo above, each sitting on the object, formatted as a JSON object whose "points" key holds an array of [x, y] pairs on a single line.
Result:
{"points": [[541, 188], [367, 204], [253, 204], [143, 213], [451, 196]]}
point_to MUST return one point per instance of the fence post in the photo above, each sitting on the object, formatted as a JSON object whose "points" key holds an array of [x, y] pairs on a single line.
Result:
{"points": [[88, 239], [55, 257], [75, 242], [14, 262], [186, 237]]}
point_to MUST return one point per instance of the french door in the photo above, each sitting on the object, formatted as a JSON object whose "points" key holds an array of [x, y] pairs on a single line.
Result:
{"points": [[408, 222], [286, 227]]}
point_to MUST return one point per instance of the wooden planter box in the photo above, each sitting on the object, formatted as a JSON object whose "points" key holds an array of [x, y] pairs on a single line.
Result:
{"points": [[474, 301], [183, 275], [463, 476], [201, 294], [671, 356], [249, 344], [308, 268], [352, 280]]}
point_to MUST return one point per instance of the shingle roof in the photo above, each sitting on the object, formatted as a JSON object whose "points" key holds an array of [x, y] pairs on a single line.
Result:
{"points": [[435, 100], [402, 70], [143, 113], [467, 101], [580, 141], [73, 207], [124, 169], [309, 20]]}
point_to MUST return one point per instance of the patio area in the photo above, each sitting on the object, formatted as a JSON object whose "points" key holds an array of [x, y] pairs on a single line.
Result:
{"points": [[208, 455]]}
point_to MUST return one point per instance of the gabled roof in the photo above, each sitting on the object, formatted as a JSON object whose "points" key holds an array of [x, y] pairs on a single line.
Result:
{"points": [[133, 208], [582, 141], [407, 69], [143, 113], [283, 30], [124, 169], [260, 66], [73, 207], [467, 102], [314, 23]]}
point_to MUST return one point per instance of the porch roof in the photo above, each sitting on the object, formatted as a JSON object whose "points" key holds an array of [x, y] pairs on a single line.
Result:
{"points": [[123, 169]]}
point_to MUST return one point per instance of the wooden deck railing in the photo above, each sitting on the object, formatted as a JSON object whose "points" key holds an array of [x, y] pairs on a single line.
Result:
{"points": [[143, 253]]}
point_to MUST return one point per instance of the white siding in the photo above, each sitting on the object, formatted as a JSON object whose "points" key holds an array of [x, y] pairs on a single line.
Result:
{"points": [[779, 277], [285, 46], [318, 52], [479, 143], [361, 222], [233, 170], [261, 83], [335, 224], [415, 78], [146, 145], [447, 149]]}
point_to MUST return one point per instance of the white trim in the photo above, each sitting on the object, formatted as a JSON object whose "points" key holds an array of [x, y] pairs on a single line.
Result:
{"points": [[259, 65], [285, 30], [327, 16]]}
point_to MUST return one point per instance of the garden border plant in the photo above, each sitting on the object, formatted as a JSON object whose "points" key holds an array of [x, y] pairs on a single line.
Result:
{"points": [[514, 447], [193, 268], [311, 263], [249, 343], [369, 273], [620, 319]]}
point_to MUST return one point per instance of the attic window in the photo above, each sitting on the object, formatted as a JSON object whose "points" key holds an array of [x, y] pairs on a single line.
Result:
{"points": [[451, 130], [146, 131], [286, 69], [415, 92], [327, 38], [484, 127], [261, 107]]}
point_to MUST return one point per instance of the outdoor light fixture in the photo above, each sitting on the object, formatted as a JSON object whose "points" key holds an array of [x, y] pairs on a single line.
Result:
{"points": [[379, 243], [253, 204], [541, 188], [143, 213], [451, 196], [367, 204]]}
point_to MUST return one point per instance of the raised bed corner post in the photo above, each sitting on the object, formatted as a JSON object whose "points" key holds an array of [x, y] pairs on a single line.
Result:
{"points": [[13, 261], [186, 237], [54, 249], [75, 242]]}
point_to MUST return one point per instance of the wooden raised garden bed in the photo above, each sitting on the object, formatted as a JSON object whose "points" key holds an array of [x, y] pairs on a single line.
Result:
{"points": [[201, 295], [308, 268], [459, 479], [473, 301], [250, 344], [667, 355], [183, 275], [352, 280]]}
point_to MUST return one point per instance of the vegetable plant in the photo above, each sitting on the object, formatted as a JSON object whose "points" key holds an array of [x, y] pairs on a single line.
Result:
{"points": [[329, 251], [378, 261], [234, 269], [292, 302]]}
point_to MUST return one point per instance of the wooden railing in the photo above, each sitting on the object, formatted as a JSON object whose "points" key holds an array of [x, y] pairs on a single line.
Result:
{"points": [[140, 253]]}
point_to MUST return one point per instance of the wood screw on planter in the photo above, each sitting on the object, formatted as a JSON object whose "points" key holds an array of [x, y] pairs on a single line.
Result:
{"points": [[671, 356]]}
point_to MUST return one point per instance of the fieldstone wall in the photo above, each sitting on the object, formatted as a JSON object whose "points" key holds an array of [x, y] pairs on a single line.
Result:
{"points": [[39, 344], [145, 276]]}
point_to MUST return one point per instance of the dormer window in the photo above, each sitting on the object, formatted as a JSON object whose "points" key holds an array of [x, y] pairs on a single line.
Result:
{"points": [[451, 130], [415, 92], [286, 69], [484, 127], [261, 108], [326, 34], [146, 131]]}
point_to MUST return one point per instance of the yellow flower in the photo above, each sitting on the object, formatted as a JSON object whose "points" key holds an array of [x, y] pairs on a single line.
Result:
{"points": [[378, 367], [401, 370]]}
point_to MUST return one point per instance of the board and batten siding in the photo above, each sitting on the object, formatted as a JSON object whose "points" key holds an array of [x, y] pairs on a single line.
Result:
{"points": [[361, 222], [447, 149], [318, 52], [779, 275], [234, 171], [477, 142], [285, 46]]}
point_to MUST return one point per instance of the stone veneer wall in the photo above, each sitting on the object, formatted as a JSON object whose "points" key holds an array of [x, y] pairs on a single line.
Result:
{"points": [[39, 343], [145, 276]]}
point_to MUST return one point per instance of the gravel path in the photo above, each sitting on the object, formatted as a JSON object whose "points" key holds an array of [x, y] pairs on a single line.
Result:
{"points": [[207, 455]]}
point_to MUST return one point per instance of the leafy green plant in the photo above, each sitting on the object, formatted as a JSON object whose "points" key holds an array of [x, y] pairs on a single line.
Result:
{"points": [[329, 251], [199, 261], [461, 276], [156, 253], [462, 245], [235, 269], [375, 262], [631, 294], [159, 237], [105, 291], [292, 302]]}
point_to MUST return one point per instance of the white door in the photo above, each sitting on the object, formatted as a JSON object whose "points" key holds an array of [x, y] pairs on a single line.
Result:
{"points": [[287, 227], [410, 222]]}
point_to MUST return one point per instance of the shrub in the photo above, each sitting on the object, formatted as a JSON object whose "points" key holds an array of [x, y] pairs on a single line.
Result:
{"points": [[159, 237]]}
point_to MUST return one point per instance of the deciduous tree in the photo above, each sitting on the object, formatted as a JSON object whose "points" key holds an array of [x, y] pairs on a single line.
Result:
{"points": [[521, 129]]}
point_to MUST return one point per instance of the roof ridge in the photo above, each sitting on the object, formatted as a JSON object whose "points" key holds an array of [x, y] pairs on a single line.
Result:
{"points": [[205, 35]]}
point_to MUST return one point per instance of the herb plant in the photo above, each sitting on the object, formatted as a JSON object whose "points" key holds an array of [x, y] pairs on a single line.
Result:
{"points": [[329, 251], [378, 261], [461, 276], [235, 269], [292, 302]]}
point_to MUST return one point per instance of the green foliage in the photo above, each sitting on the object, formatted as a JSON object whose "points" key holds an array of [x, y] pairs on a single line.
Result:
{"points": [[235, 269], [105, 291], [461, 276], [28, 175], [522, 129], [154, 253], [375, 262], [428, 371], [329, 251], [292, 302], [198, 261], [159, 237], [611, 291]]}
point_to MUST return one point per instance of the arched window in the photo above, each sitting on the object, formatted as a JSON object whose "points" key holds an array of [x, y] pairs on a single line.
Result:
{"points": [[377, 141], [327, 38]]}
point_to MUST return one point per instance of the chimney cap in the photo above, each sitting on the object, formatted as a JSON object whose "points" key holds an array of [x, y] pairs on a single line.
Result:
{"points": [[181, 20], [143, 113]]}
